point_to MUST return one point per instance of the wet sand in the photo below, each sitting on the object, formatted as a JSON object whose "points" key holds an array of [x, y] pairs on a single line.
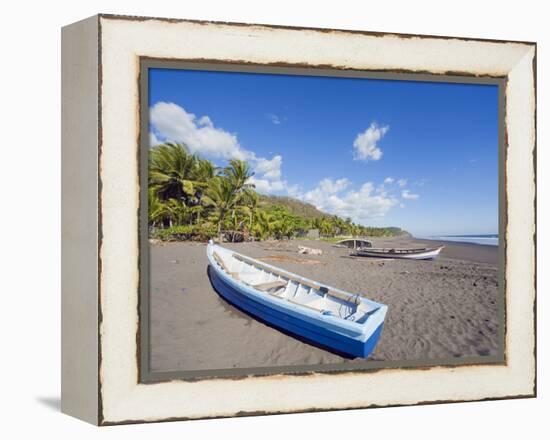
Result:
{"points": [[439, 309]]}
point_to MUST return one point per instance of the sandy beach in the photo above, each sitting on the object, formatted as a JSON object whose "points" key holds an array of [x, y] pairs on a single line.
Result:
{"points": [[447, 308]]}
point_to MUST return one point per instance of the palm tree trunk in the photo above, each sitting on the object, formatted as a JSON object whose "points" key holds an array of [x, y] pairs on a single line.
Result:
{"points": [[220, 220]]}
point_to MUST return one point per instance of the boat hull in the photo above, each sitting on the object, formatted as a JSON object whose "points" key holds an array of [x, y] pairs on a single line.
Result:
{"points": [[428, 255], [302, 329]]}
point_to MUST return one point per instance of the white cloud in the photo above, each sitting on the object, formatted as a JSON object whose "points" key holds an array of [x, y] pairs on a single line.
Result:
{"points": [[401, 205], [406, 194], [325, 188], [402, 182], [330, 187], [366, 143], [206, 121], [267, 186], [153, 140], [389, 180], [274, 118], [173, 123], [361, 205], [268, 174], [293, 190], [270, 169]]}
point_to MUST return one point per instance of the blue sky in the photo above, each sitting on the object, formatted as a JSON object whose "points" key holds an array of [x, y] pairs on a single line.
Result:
{"points": [[418, 155]]}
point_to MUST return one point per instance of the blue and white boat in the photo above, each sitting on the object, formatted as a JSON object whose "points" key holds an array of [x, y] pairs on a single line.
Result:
{"points": [[342, 322]]}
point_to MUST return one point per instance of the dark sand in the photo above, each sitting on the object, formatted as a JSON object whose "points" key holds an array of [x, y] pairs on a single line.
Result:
{"points": [[436, 309]]}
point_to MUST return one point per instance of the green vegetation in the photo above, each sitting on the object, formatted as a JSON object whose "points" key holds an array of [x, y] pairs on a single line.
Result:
{"points": [[191, 199], [294, 206]]}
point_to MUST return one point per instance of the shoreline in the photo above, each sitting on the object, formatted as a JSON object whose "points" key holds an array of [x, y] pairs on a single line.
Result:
{"points": [[456, 250], [454, 242], [476, 252], [437, 310], [458, 241]]}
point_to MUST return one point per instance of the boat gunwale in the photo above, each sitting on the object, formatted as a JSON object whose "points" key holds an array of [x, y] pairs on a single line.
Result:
{"points": [[307, 281]]}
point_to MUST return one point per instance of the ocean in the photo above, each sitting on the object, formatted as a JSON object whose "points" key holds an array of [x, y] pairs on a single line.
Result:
{"points": [[488, 239]]}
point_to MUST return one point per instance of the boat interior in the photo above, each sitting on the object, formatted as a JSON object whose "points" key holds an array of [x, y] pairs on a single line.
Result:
{"points": [[295, 290], [353, 243]]}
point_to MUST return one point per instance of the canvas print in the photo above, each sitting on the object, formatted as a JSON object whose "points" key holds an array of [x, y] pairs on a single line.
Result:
{"points": [[300, 222]]}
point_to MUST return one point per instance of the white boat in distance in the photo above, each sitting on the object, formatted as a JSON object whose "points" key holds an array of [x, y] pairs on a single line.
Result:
{"points": [[410, 254], [353, 243], [343, 322]]}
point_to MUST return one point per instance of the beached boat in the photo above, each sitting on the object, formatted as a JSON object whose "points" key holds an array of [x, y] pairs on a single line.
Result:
{"points": [[343, 322], [353, 243], [411, 254]]}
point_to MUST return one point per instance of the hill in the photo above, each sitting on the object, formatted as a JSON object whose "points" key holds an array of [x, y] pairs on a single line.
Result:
{"points": [[294, 206], [309, 212]]}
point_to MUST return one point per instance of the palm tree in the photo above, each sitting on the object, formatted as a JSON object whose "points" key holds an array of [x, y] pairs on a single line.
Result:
{"points": [[176, 212], [204, 171], [196, 211], [173, 172], [348, 226], [288, 227], [220, 195], [156, 208], [264, 225], [323, 226], [250, 200], [239, 173], [237, 231]]}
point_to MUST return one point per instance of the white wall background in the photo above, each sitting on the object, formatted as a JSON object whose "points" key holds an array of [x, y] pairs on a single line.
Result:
{"points": [[30, 215]]}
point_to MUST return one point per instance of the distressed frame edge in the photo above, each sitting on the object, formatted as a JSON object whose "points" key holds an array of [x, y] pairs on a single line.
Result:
{"points": [[244, 413], [535, 205], [532, 115], [124, 17]]}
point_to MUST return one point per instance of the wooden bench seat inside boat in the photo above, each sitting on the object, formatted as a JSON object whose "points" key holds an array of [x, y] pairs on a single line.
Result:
{"points": [[220, 261], [352, 299]]}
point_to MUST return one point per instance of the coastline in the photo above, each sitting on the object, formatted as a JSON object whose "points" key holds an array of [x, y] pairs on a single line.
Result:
{"points": [[473, 252], [439, 309]]}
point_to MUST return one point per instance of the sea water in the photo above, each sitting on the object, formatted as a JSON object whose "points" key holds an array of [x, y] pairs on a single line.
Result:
{"points": [[489, 239]]}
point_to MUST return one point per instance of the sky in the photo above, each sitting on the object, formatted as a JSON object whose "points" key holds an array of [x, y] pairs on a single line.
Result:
{"points": [[422, 156]]}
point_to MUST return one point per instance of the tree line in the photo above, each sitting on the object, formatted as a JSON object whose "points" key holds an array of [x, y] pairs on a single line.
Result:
{"points": [[189, 198]]}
